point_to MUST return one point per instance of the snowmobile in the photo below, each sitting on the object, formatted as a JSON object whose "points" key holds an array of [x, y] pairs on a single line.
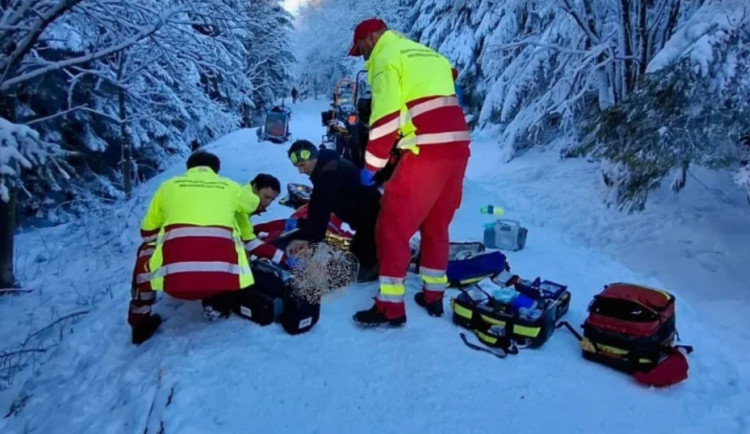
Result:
{"points": [[363, 100], [276, 126]]}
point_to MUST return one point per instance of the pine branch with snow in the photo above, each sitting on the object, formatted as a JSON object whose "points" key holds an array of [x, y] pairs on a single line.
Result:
{"points": [[155, 78], [21, 149], [667, 124], [324, 32]]}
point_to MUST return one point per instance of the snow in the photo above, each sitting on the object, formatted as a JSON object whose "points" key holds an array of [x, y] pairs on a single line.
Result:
{"points": [[742, 178], [697, 37], [19, 148], [237, 377]]}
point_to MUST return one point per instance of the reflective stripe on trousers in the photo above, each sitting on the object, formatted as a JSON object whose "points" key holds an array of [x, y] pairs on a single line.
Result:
{"points": [[141, 310], [391, 289], [143, 295], [194, 266], [433, 280]]}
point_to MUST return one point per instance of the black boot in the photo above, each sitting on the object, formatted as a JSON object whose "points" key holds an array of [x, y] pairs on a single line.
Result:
{"points": [[374, 317], [215, 308], [219, 306], [434, 309], [143, 332]]}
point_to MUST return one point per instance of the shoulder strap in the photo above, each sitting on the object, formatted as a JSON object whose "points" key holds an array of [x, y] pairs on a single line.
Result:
{"points": [[500, 353]]}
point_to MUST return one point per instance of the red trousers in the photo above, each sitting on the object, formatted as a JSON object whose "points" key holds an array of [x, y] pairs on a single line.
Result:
{"points": [[423, 196], [142, 297]]}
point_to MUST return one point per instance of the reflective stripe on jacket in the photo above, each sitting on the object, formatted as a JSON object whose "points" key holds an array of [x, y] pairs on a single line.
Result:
{"points": [[191, 223], [413, 100], [254, 245]]}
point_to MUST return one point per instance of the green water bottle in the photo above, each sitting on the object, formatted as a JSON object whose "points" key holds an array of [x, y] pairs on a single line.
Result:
{"points": [[492, 210]]}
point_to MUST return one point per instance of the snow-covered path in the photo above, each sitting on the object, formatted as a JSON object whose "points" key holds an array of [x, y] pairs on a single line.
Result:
{"points": [[237, 377]]}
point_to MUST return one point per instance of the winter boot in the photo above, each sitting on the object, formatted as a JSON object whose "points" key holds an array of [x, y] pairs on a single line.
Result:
{"points": [[219, 306], [145, 329], [434, 308], [212, 314], [376, 317]]}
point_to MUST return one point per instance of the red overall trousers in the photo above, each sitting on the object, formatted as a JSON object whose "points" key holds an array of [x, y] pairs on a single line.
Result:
{"points": [[422, 195]]}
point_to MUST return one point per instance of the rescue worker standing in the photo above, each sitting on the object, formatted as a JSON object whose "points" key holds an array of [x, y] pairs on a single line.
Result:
{"points": [[413, 104], [191, 248]]}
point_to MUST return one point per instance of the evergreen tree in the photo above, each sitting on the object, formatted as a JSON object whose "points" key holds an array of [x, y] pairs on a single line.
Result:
{"points": [[691, 109]]}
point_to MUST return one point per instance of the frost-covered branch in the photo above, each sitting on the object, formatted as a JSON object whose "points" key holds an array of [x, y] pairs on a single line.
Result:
{"points": [[582, 23], [150, 75], [142, 34], [56, 115], [666, 126], [20, 148], [21, 47]]}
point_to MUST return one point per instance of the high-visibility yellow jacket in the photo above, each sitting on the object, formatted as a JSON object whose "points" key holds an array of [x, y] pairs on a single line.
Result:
{"points": [[413, 102], [191, 226], [254, 245]]}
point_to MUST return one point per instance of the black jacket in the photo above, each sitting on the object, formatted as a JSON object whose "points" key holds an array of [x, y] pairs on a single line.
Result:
{"points": [[337, 189]]}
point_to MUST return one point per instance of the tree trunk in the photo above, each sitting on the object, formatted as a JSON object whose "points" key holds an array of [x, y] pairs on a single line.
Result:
{"points": [[627, 48], [15, 48], [591, 18], [643, 37], [7, 227], [7, 213], [671, 23], [124, 137], [605, 90]]}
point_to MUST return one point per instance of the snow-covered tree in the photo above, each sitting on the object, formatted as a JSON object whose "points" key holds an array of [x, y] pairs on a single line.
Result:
{"points": [[269, 52], [152, 75], [692, 108], [20, 148], [110, 84], [324, 36], [534, 70], [183, 83]]}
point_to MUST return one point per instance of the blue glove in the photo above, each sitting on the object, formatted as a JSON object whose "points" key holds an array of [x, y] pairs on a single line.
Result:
{"points": [[292, 262], [290, 224], [366, 177]]}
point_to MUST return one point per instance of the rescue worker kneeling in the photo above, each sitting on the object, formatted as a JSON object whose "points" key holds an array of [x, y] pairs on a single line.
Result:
{"points": [[266, 187], [337, 190], [191, 248]]}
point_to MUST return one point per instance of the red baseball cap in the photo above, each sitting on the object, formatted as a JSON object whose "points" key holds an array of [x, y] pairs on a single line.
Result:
{"points": [[362, 30]]}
